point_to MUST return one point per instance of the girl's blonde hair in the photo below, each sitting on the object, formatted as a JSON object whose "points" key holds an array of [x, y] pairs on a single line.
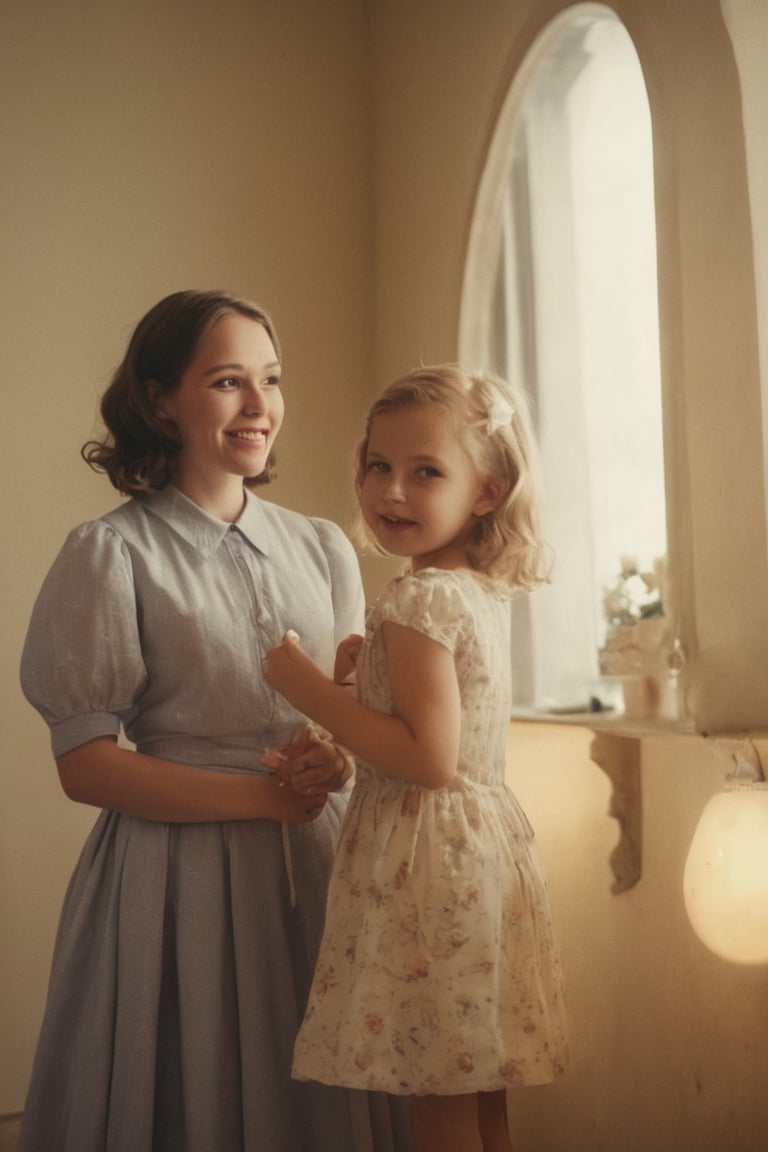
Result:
{"points": [[493, 419]]}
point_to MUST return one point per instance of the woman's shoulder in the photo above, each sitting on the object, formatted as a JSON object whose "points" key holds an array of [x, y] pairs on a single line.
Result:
{"points": [[313, 529], [93, 552], [111, 533], [280, 514], [105, 529]]}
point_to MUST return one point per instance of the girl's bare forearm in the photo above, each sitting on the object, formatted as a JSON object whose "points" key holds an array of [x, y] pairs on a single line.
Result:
{"points": [[383, 740]]}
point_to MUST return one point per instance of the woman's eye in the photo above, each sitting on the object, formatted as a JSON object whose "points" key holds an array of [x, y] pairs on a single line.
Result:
{"points": [[271, 382], [378, 466], [226, 382]]}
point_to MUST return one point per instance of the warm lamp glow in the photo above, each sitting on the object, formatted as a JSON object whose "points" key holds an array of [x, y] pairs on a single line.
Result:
{"points": [[725, 883]]}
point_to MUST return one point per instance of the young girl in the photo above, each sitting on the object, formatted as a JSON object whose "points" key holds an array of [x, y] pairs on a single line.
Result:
{"points": [[438, 976]]}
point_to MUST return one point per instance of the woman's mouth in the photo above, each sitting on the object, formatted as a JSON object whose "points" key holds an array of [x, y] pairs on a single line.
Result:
{"points": [[248, 437]]}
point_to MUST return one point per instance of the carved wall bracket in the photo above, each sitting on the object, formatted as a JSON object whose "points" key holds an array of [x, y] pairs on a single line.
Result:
{"points": [[619, 757]]}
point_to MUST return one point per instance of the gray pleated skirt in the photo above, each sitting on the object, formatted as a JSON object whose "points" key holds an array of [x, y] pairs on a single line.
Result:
{"points": [[180, 976]]}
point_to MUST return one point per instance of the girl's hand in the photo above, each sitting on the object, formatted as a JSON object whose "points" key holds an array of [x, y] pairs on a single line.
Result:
{"points": [[287, 668], [346, 658], [312, 764]]}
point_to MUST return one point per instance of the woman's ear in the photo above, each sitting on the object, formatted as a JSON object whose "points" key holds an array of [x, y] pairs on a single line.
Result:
{"points": [[158, 400], [491, 492]]}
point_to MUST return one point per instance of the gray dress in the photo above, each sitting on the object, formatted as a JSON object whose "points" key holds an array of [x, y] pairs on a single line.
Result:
{"points": [[185, 951]]}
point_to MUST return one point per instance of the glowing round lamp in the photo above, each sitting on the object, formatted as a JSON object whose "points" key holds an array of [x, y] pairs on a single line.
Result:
{"points": [[725, 883]]}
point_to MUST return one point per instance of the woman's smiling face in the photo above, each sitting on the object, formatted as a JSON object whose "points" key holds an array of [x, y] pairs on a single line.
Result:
{"points": [[227, 408]]}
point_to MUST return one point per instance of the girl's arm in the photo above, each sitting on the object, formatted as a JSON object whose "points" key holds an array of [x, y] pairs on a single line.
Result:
{"points": [[419, 742], [102, 773]]}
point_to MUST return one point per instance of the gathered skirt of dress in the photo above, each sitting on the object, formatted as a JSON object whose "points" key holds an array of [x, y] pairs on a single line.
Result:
{"points": [[179, 979], [438, 972]]}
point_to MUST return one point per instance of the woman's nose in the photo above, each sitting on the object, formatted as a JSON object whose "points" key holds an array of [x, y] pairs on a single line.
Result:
{"points": [[253, 400]]}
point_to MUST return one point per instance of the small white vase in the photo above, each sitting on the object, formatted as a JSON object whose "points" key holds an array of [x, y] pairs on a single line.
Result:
{"points": [[637, 654]]}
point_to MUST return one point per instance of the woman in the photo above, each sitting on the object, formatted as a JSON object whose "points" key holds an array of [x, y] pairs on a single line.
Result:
{"points": [[191, 924]]}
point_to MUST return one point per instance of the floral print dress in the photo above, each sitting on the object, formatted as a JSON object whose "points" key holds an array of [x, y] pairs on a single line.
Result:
{"points": [[438, 972]]}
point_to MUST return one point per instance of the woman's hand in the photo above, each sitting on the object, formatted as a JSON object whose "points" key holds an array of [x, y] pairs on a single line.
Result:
{"points": [[311, 765], [289, 806]]}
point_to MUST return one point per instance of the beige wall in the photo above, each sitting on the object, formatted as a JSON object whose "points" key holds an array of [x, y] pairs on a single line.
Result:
{"points": [[172, 144]]}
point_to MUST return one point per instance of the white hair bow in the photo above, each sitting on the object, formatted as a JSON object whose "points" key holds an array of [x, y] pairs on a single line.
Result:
{"points": [[500, 414]]}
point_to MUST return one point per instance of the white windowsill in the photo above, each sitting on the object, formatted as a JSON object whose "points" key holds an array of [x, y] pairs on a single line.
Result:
{"points": [[616, 723]]}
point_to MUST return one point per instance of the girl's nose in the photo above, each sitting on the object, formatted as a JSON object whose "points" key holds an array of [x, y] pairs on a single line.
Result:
{"points": [[393, 489]]}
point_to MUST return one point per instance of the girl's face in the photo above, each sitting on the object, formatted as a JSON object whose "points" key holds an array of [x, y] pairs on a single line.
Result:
{"points": [[227, 408], [421, 492]]}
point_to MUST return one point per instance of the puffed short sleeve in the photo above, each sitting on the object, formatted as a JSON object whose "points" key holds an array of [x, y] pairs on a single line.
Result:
{"points": [[346, 582], [430, 601], [82, 666]]}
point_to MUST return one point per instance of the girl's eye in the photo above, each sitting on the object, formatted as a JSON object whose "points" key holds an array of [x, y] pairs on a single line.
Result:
{"points": [[378, 466], [429, 471]]}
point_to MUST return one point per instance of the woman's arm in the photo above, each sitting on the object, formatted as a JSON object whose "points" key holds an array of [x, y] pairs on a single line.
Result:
{"points": [[102, 773], [420, 741]]}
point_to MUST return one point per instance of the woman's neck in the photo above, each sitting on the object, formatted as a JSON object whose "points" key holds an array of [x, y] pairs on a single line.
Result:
{"points": [[225, 501]]}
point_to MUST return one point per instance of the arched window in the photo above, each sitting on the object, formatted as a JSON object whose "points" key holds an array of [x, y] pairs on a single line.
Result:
{"points": [[561, 291]]}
